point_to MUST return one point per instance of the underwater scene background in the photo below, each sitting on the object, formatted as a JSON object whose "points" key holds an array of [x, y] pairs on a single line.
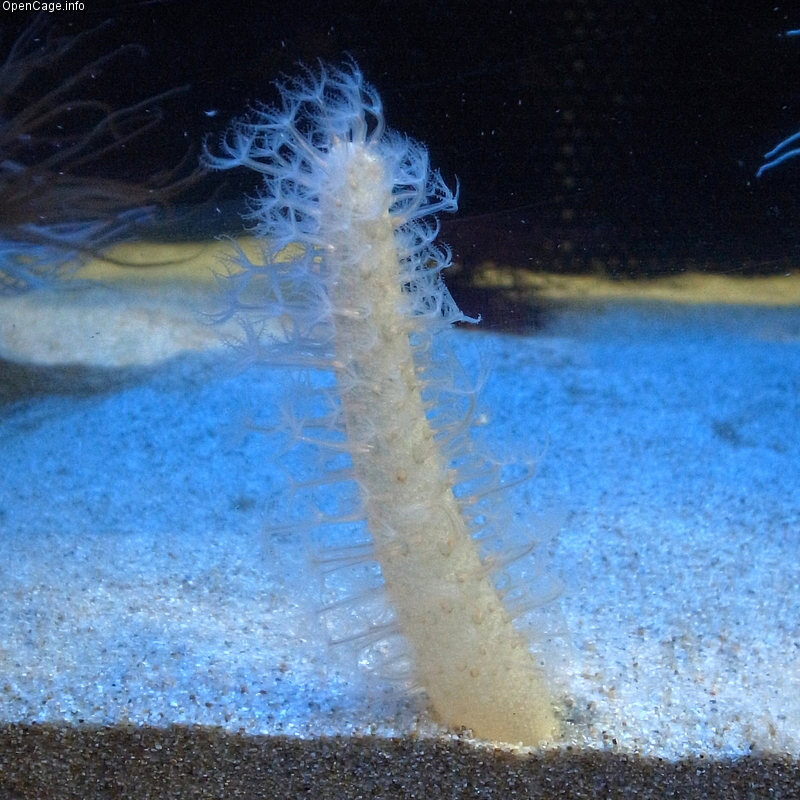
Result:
{"points": [[161, 561]]}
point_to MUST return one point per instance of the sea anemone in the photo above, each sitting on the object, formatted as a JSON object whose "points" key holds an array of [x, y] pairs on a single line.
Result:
{"points": [[57, 203]]}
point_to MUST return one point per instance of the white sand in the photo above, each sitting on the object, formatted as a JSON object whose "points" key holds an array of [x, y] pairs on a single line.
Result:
{"points": [[135, 582]]}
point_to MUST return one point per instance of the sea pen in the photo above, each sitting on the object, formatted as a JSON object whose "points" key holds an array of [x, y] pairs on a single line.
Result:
{"points": [[362, 297]]}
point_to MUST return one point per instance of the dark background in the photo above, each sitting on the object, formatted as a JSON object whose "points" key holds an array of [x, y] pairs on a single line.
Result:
{"points": [[587, 135]]}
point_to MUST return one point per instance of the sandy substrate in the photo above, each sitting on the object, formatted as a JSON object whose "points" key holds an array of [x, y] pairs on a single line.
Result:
{"points": [[138, 587]]}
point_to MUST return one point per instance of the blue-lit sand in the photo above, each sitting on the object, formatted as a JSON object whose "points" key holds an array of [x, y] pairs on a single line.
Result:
{"points": [[137, 585]]}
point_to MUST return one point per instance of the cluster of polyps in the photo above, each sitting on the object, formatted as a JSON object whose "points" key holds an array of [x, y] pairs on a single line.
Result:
{"points": [[361, 300]]}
